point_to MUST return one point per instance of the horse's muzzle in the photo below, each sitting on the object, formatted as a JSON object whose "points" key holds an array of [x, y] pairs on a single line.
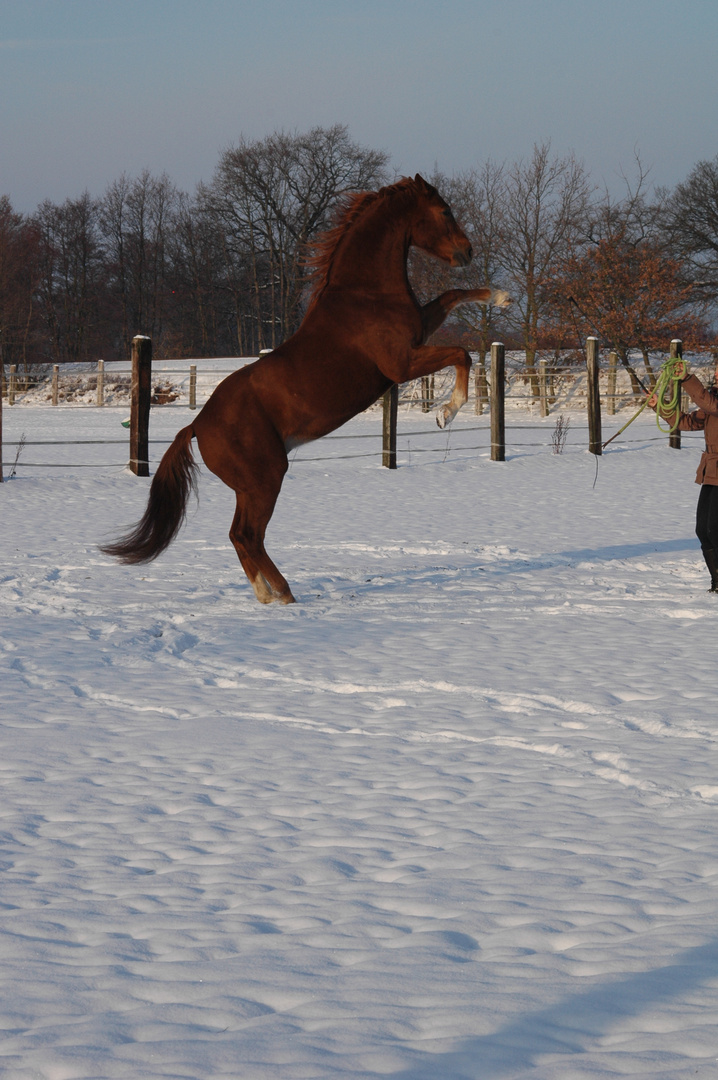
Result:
{"points": [[462, 256]]}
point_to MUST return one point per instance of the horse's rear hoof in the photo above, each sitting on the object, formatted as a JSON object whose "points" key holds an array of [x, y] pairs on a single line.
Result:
{"points": [[274, 598]]}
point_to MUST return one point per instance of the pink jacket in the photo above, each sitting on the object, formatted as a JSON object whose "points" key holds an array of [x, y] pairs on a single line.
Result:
{"points": [[705, 418]]}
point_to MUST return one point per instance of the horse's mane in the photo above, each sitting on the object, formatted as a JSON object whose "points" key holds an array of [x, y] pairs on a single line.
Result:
{"points": [[321, 250]]}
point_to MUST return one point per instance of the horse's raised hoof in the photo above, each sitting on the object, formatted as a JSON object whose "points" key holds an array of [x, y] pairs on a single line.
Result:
{"points": [[444, 416]]}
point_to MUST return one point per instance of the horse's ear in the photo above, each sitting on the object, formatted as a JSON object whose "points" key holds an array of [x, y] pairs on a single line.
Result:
{"points": [[424, 188]]}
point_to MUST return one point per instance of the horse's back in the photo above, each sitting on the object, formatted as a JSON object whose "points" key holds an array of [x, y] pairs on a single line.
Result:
{"points": [[304, 389]]}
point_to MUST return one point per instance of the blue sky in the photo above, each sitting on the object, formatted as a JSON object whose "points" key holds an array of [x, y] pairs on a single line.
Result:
{"points": [[92, 88]]}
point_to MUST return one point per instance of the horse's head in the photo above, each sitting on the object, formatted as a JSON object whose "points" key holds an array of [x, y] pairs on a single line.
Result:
{"points": [[434, 227]]}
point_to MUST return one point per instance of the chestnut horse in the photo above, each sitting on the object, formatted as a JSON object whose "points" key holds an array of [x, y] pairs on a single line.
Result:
{"points": [[363, 331]]}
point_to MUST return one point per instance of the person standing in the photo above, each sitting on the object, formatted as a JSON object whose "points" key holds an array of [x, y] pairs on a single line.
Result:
{"points": [[705, 419]]}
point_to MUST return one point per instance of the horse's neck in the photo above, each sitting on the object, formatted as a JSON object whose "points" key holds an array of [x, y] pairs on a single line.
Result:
{"points": [[373, 254]]}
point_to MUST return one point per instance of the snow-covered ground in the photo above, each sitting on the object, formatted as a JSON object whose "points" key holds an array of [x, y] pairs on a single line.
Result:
{"points": [[453, 815]]}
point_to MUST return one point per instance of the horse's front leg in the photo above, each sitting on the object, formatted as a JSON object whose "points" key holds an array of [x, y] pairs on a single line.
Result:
{"points": [[434, 313], [431, 358]]}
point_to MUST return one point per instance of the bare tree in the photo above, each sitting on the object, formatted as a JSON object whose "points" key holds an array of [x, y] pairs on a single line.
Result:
{"points": [[692, 221], [545, 214], [71, 273], [19, 272], [136, 220], [201, 316], [270, 197], [629, 285]]}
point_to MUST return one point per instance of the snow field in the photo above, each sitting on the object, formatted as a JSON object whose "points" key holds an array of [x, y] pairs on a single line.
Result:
{"points": [[453, 815]]}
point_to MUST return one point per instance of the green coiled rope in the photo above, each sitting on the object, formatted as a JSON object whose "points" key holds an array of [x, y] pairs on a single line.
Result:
{"points": [[668, 396]]}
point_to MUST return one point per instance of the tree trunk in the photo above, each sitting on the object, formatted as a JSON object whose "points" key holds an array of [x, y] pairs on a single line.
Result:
{"points": [[635, 381]]}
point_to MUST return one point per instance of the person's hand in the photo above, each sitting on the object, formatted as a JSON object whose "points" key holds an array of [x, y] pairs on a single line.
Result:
{"points": [[652, 401], [680, 369]]}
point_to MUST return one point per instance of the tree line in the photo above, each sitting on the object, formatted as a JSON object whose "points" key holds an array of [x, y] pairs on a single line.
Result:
{"points": [[222, 271]]}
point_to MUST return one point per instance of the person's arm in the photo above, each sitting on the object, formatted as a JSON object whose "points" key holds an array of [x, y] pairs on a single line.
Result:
{"points": [[704, 399], [692, 421]]}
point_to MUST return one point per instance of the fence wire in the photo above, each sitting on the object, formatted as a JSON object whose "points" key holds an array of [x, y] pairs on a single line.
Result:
{"points": [[567, 382], [447, 449]]}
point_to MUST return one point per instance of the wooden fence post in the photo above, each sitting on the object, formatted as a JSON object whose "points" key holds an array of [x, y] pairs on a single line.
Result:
{"points": [[543, 388], [481, 389], [594, 400], [427, 393], [498, 402], [12, 384], [674, 440], [193, 386], [611, 391], [140, 405], [55, 383], [391, 404], [2, 373], [100, 383]]}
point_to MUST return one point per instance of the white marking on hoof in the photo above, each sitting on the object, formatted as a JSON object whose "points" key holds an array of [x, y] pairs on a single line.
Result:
{"points": [[262, 590], [445, 415]]}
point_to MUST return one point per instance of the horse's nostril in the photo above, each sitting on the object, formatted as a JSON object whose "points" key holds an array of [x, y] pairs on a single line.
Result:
{"points": [[470, 253]]}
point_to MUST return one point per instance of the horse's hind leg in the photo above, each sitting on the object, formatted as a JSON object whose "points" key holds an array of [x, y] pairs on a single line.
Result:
{"points": [[252, 462], [256, 579], [247, 535]]}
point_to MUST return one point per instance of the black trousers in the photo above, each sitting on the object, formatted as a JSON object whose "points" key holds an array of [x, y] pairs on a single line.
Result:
{"points": [[707, 517]]}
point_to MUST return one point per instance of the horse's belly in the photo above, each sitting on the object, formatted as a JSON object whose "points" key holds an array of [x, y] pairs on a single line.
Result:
{"points": [[294, 441]]}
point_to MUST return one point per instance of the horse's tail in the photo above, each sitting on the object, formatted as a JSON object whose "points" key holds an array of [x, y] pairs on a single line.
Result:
{"points": [[166, 509]]}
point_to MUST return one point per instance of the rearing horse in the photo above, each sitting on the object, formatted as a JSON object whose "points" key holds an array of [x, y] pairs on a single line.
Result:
{"points": [[363, 331]]}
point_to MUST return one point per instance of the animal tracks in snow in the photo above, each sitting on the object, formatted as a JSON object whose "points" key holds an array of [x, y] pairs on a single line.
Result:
{"points": [[458, 805], [564, 730]]}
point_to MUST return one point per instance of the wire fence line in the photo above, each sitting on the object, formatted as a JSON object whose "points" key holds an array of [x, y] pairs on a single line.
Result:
{"points": [[182, 384], [560, 388], [328, 438], [451, 444]]}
